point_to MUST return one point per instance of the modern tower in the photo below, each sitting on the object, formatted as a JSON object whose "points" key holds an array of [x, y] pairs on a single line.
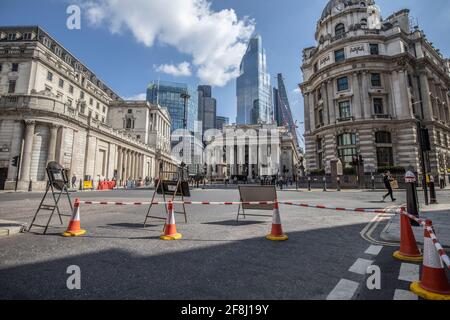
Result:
{"points": [[207, 108], [253, 89], [282, 109]]}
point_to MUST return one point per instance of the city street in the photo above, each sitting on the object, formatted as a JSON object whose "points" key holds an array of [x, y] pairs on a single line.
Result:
{"points": [[218, 258]]}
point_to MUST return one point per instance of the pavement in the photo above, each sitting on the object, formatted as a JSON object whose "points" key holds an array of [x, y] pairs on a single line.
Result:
{"points": [[325, 257]]}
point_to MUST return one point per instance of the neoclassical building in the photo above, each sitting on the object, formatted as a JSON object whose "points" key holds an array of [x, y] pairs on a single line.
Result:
{"points": [[369, 85], [52, 107]]}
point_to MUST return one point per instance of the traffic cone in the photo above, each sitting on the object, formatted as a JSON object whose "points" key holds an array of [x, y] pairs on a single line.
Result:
{"points": [[74, 228], [277, 230], [170, 230], [434, 284], [408, 246]]}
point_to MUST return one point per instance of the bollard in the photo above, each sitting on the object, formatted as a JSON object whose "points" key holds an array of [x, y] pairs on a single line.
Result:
{"points": [[81, 185], [411, 197], [338, 184], [325, 184], [433, 198], [30, 186], [373, 182], [309, 183]]}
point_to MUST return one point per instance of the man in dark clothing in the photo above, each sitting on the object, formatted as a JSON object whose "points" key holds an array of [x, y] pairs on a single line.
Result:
{"points": [[387, 178]]}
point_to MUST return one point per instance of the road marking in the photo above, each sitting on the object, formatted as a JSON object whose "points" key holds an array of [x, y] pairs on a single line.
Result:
{"points": [[344, 290], [360, 266], [374, 250], [409, 272], [404, 295], [366, 232]]}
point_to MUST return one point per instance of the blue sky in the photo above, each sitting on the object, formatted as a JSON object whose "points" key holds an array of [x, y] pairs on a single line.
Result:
{"points": [[127, 60]]}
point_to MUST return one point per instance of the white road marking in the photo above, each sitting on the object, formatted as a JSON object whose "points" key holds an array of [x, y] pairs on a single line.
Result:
{"points": [[344, 290], [409, 272], [360, 266], [404, 295], [374, 250]]}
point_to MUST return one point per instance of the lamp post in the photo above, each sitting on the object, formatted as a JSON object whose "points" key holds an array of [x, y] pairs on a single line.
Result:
{"points": [[185, 98]]}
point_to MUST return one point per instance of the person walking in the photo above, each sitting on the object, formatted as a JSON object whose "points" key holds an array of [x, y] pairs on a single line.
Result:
{"points": [[74, 181], [387, 179]]}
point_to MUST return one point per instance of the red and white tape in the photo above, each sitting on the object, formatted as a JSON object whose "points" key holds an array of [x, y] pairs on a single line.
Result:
{"points": [[314, 206], [120, 203], [439, 247], [412, 217]]}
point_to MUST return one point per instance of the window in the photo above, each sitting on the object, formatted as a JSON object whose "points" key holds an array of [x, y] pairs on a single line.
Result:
{"points": [[319, 94], [438, 136], [378, 106], [104, 109], [48, 89], [82, 108], [130, 111], [70, 89], [15, 67], [320, 117], [339, 55], [374, 49], [12, 36], [61, 83], [375, 78], [96, 116], [103, 119], [91, 101], [347, 147], [383, 137], [138, 137], [27, 36], [49, 76], [98, 106], [342, 84], [69, 102], [385, 157], [81, 95], [339, 30], [344, 110], [128, 124], [316, 67], [364, 22], [12, 86]]}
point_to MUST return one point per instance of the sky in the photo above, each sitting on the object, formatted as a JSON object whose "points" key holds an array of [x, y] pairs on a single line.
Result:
{"points": [[129, 43]]}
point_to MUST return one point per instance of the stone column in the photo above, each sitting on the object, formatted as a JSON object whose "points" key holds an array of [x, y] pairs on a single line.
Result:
{"points": [[356, 103], [27, 149], [126, 157], [365, 97], [119, 164], [426, 99], [52, 143]]}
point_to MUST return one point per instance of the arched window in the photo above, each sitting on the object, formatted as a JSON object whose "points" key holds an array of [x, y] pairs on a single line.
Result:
{"points": [[364, 22], [339, 30]]}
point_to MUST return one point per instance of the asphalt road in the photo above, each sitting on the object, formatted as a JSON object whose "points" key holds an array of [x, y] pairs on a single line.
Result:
{"points": [[217, 258]]}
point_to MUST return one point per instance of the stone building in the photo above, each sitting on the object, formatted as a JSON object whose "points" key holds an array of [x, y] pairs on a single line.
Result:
{"points": [[52, 107], [369, 85], [251, 152]]}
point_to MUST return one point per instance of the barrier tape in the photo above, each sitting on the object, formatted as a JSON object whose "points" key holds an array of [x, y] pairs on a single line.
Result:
{"points": [[176, 202], [412, 217], [439, 247], [305, 205]]}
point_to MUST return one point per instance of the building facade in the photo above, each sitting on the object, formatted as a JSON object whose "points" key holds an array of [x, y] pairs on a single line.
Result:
{"points": [[149, 124], [221, 122], [253, 89], [207, 108], [282, 109], [252, 152], [53, 108], [369, 86]]}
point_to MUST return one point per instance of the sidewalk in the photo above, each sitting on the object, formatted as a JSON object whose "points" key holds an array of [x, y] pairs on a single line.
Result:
{"points": [[9, 228], [439, 214]]}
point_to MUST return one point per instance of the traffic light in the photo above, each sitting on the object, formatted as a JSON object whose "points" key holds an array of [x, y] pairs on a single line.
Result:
{"points": [[15, 161]]}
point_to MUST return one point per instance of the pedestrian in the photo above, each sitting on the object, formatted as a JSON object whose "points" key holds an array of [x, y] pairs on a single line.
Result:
{"points": [[74, 181], [387, 179]]}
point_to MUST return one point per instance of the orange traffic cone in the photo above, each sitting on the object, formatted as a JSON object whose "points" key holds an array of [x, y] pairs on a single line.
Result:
{"points": [[170, 230], [74, 228], [408, 246], [277, 230], [434, 284]]}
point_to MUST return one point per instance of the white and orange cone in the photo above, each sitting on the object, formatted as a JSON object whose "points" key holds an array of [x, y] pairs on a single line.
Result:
{"points": [[409, 250], [74, 228], [434, 283], [277, 230], [170, 230]]}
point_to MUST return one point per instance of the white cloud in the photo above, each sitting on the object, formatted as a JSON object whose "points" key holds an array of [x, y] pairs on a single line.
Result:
{"points": [[183, 69], [216, 40], [137, 97]]}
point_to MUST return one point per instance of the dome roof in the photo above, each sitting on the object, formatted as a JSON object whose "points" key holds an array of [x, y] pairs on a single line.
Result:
{"points": [[333, 3]]}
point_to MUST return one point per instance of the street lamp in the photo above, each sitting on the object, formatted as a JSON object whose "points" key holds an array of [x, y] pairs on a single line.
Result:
{"points": [[185, 98]]}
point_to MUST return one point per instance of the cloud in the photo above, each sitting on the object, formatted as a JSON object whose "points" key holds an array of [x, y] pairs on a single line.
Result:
{"points": [[183, 69], [137, 97], [216, 40]]}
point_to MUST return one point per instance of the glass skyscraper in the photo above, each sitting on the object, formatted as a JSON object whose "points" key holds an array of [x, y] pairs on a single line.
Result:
{"points": [[282, 109], [253, 89], [168, 95], [207, 108]]}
